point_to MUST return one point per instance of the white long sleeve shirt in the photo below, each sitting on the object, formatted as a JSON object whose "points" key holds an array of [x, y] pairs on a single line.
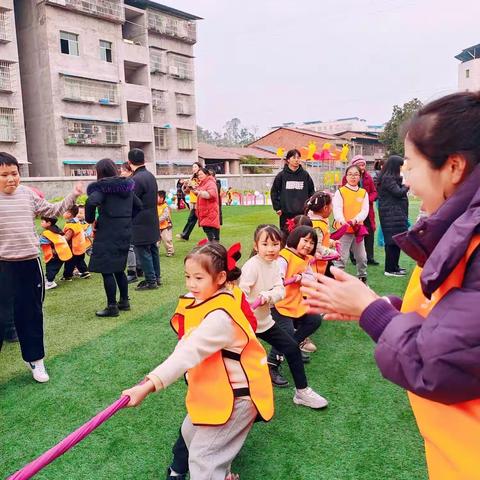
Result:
{"points": [[338, 206]]}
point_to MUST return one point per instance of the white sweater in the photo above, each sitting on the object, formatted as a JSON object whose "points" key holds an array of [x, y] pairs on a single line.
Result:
{"points": [[338, 206], [260, 277]]}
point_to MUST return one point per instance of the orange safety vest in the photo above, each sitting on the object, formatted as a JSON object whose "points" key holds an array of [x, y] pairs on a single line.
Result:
{"points": [[451, 432], [79, 242], [165, 223], [291, 305], [60, 245], [352, 204], [320, 266], [210, 396]]}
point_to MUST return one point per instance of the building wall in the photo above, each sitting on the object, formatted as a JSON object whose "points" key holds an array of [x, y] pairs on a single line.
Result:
{"points": [[469, 81], [13, 98]]}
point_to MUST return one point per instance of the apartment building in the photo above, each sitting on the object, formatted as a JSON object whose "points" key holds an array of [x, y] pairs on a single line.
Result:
{"points": [[100, 77], [350, 124], [12, 134], [469, 69]]}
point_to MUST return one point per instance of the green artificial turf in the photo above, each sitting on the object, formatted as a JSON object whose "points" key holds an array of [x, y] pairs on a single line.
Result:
{"points": [[368, 431]]}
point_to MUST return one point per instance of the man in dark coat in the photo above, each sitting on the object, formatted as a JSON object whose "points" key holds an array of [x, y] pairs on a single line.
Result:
{"points": [[146, 229]]}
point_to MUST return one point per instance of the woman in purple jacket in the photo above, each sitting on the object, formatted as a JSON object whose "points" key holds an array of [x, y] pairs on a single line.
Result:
{"points": [[429, 342]]}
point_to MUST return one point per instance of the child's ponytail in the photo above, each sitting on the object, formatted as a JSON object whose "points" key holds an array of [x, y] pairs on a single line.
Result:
{"points": [[317, 202]]}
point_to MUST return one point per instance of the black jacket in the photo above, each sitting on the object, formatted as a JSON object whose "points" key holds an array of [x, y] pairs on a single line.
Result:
{"points": [[290, 191], [116, 204], [392, 207], [146, 229]]}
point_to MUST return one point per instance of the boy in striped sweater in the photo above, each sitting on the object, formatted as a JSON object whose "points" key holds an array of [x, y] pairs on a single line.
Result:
{"points": [[21, 274]]}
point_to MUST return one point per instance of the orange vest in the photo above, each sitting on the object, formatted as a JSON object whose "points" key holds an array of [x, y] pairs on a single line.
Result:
{"points": [[160, 210], [352, 203], [210, 397], [60, 245], [321, 265], [79, 242], [291, 305], [451, 432]]}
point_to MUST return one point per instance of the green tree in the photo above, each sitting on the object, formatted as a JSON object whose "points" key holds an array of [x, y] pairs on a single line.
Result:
{"points": [[252, 160], [232, 135], [391, 136]]}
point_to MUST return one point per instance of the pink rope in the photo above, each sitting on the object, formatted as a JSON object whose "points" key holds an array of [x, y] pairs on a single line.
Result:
{"points": [[29, 470]]}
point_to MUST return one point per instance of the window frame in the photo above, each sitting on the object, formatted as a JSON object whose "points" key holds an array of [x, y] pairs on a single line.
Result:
{"points": [[70, 42], [105, 51]]}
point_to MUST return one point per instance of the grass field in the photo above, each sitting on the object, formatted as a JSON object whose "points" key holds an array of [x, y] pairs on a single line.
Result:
{"points": [[368, 431]]}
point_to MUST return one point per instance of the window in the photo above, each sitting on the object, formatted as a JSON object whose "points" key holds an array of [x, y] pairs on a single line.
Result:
{"points": [[69, 43], [78, 89], [183, 104], [92, 133], [106, 51], [8, 131], [158, 61], [5, 76], [467, 73], [184, 139], [161, 138], [181, 67], [159, 100], [4, 25]]}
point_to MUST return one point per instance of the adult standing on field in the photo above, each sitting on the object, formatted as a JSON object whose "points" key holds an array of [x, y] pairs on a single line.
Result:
{"points": [[208, 209], [146, 229], [189, 188], [292, 187]]}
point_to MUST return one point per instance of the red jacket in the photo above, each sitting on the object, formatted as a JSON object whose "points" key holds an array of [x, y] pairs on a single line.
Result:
{"points": [[368, 184], [208, 212]]}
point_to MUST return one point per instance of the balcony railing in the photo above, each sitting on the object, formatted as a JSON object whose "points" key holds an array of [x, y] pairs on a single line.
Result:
{"points": [[8, 125], [90, 133], [108, 9], [5, 28], [173, 27], [6, 76], [77, 89]]}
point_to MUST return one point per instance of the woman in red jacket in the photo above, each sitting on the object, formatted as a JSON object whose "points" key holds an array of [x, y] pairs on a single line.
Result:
{"points": [[208, 212]]}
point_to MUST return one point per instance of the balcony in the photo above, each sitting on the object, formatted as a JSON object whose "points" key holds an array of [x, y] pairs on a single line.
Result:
{"points": [[107, 9], [6, 76], [84, 90], [92, 133], [5, 27], [137, 93], [183, 30], [139, 132], [8, 125], [134, 53]]}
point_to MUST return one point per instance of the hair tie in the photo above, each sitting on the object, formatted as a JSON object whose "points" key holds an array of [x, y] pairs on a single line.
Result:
{"points": [[290, 223], [203, 242]]}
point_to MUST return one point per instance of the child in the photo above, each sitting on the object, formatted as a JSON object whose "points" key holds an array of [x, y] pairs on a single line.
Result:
{"points": [[350, 205], [165, 221], [319, 208], [228, 381], [229, 196], [290, 313], [261, 278], [74, 232], [86, 227], [55, 249]]}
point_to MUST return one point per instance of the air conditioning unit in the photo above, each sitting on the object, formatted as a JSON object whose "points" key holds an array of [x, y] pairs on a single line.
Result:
{"points": [[173, 71]]}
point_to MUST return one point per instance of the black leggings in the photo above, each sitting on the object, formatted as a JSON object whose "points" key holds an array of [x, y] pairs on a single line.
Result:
{"points": [[110, 282]]}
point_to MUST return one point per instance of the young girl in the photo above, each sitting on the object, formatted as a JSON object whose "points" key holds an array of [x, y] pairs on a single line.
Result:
{"points": [[228, 380], [290, 313], [350, 205], [261, 279], [319, 208]]}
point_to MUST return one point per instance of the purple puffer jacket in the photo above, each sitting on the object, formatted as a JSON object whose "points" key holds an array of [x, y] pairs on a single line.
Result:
{"points": [[437, 357]]}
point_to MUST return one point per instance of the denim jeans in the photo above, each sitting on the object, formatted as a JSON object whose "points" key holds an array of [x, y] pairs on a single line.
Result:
{"points": [[148, 257]]}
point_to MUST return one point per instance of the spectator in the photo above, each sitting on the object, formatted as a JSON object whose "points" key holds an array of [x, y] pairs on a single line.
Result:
{"points": [[219, 190], [189, 187], [207, 206]]}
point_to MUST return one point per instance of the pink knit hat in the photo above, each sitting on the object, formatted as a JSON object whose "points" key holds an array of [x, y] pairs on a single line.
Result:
{"points": [[358, 159]]}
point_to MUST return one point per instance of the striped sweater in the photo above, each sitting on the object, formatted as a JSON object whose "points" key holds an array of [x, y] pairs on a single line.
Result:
{"points": [[18, 239]]}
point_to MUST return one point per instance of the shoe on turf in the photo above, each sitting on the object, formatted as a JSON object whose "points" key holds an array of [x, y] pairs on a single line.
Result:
{"points": [[395, 274], [50, 285], [38, 371], [372, 262], [277, 378], [109, 311], [307, 346], [124, 304], [67, 279], [309, 398], [144, 285], [85, 275], [177, 476]]}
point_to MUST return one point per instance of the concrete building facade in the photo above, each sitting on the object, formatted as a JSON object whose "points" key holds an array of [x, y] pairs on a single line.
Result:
{"points": [[12, 132], [100, 77], [469, 69]]}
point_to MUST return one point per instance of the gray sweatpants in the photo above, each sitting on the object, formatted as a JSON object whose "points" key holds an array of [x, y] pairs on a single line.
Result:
{"points": [[211, 450], [348, 242], [131, 259]]}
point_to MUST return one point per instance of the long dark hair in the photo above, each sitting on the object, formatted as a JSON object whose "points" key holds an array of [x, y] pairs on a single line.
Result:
{"points": [[392, 167], [106, 168]]}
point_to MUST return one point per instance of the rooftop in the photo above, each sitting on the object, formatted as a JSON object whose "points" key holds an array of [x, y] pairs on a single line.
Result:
{"points": [[163, 8], [469, 53]]}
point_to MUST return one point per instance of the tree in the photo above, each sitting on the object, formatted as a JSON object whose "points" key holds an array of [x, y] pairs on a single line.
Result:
{"points": [[391, 137], [252, 160], [233, 135]]}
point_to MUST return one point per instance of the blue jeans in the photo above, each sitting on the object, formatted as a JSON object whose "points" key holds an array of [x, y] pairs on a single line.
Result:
{"points": [[149, 259]]}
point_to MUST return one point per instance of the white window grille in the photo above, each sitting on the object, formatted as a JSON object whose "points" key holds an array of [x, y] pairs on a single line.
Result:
{"points": [[69, 43], [185, 140], [106, 51], [5, 32], [92, 133], [8, 127], [6, 76], [181, 67], [158, 61], [159, 101], [171, 26], [156, 22], [78, 89], [161, 138], [110, 9], [184, 104]]}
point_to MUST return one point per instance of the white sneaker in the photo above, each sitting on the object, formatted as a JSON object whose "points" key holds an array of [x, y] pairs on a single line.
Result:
{"points": [[309, 398], [50, 285], [38, 371]]}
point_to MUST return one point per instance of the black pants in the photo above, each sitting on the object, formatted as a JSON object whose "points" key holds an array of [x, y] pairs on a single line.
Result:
{"points": [[76, 261], [52, 268], [392, 256], [22, 289], [180, 455], [280, 340], [190, 225], [110, 282], [304, 326], [212, 233]]}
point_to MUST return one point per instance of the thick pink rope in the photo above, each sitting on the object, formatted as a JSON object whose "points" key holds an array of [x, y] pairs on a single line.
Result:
{"points": [[29, 470]]}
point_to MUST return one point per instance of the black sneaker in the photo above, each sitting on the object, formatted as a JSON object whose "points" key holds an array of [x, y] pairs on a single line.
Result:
{"points": [[277, 379], [67, 279], [124, 304], [363, 279], [175, 477], [373, 262], [110, 311], [144, 285], [85, 275], [159, 282]]}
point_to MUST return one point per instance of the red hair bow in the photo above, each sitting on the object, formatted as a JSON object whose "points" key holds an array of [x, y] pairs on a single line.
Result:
{"points": [[201, 243], [232, 256], [290, 223]]}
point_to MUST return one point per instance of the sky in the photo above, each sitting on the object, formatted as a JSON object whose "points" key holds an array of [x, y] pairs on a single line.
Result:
{"points": [[273, 61]]}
